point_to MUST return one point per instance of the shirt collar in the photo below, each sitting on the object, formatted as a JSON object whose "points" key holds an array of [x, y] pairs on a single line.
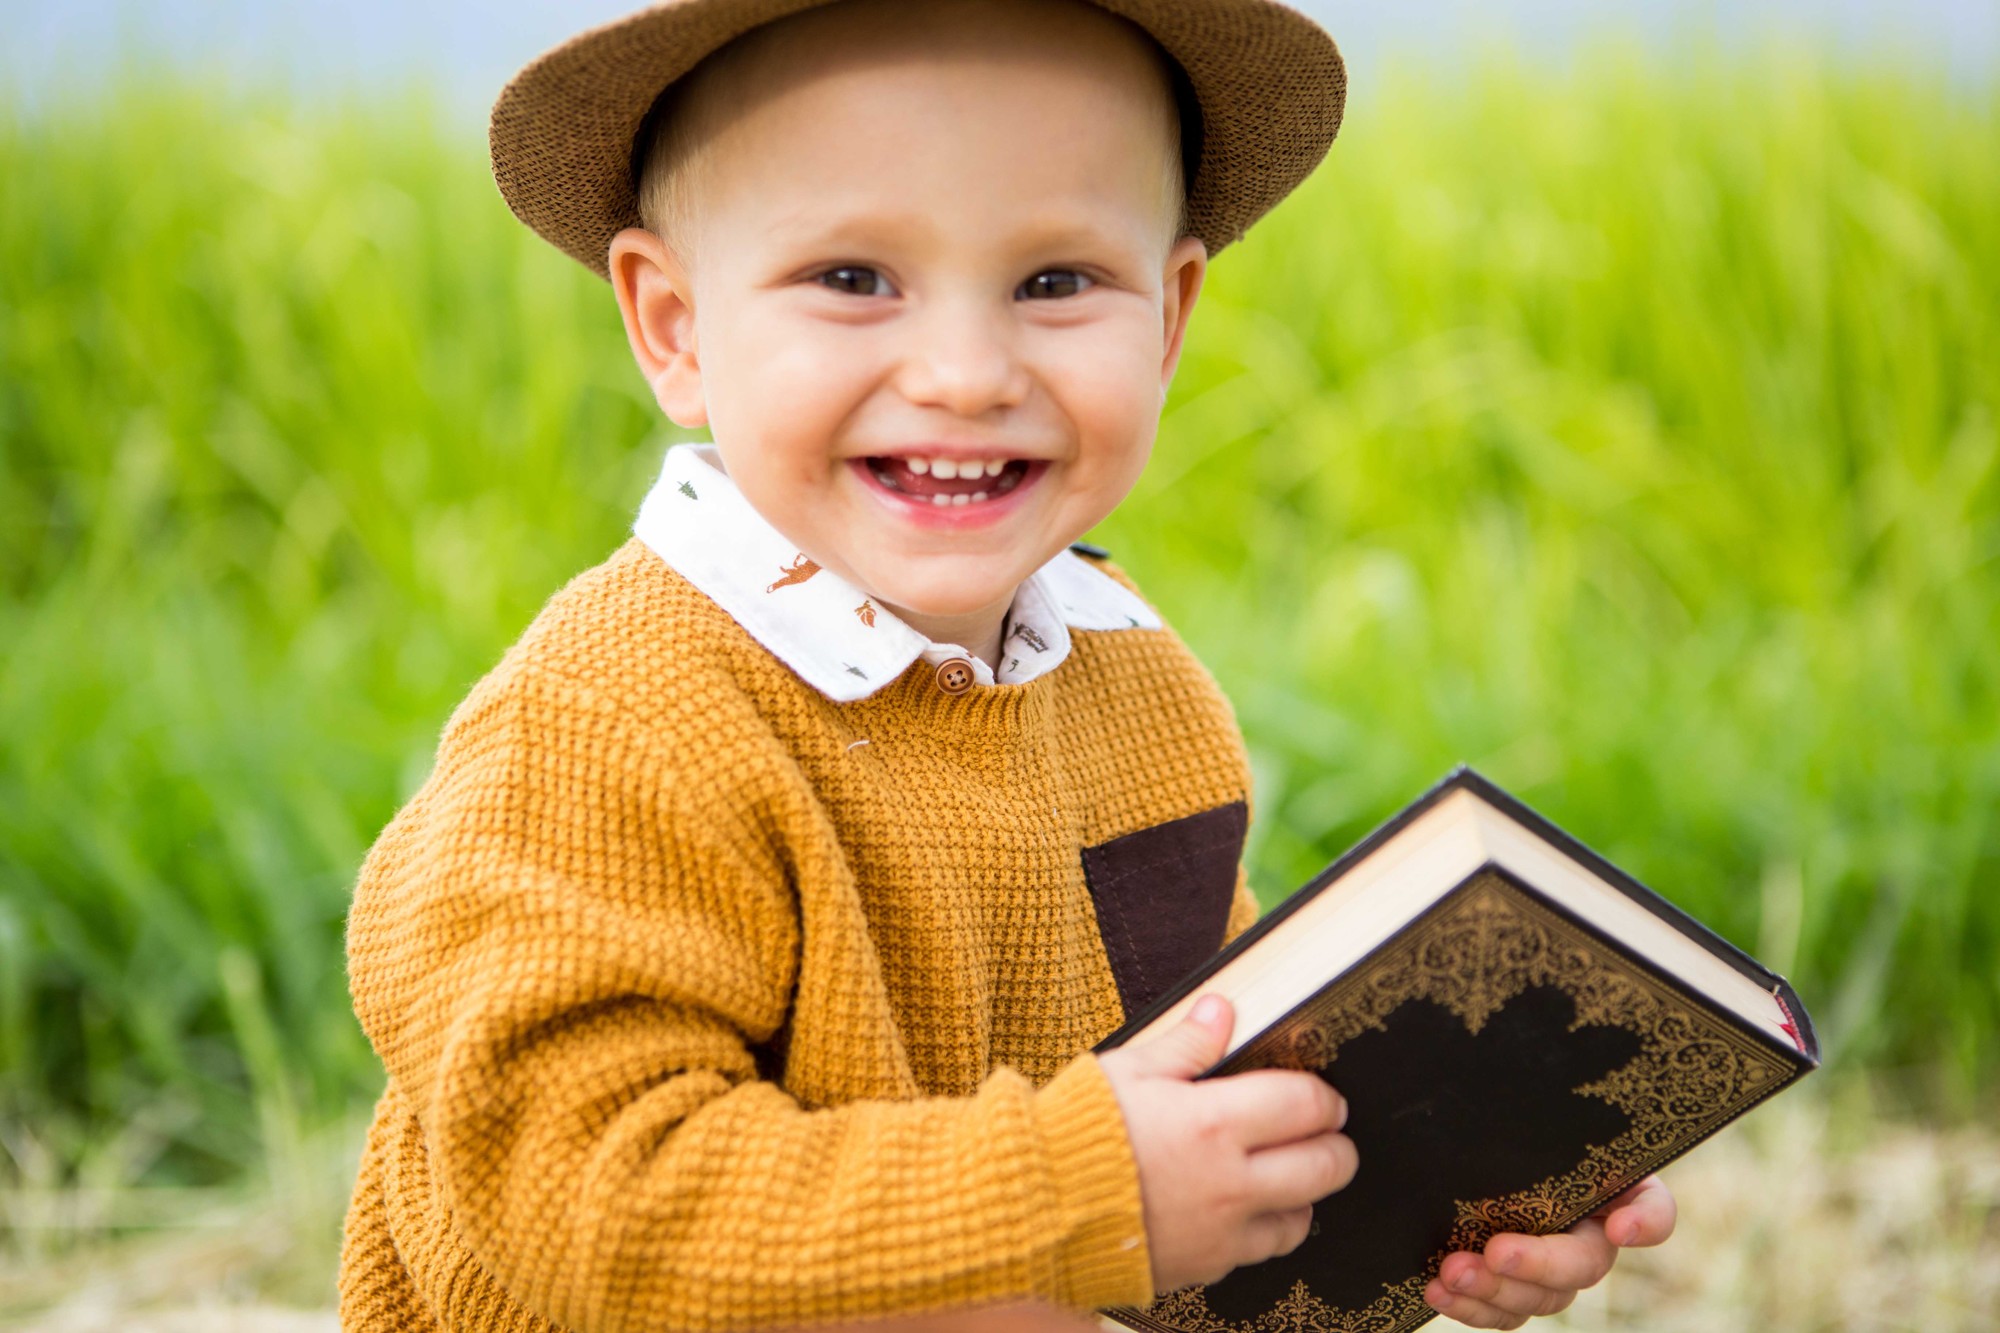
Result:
{"points": [[823, 627]]}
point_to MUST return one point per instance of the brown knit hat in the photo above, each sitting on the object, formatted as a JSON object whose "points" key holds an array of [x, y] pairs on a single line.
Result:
{"points": [[1267, 81]]}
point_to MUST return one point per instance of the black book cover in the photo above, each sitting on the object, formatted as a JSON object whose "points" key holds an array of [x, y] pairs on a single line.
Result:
{"points": [[1507, 1068]]}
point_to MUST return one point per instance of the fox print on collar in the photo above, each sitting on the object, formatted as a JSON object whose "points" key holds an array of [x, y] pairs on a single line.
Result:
{"points": [[832, 634]]}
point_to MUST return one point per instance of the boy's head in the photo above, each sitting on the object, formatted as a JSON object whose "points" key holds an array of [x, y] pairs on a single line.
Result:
{"points": [[681, 130], [905, 233], [887, 241]]}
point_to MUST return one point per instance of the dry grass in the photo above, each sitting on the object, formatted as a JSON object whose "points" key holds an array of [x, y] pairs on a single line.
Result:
{"points": [[259, 1257], [1805, 1217]]}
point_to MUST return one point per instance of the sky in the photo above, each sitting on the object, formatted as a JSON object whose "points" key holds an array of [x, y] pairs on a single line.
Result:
{"points": [[464, 49]]}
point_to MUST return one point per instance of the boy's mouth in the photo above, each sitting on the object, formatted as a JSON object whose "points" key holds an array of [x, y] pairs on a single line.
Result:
{"points": [[950, 481]]}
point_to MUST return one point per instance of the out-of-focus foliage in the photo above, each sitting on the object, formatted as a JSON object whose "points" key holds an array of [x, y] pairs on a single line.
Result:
{"points": [[1630, 434]]}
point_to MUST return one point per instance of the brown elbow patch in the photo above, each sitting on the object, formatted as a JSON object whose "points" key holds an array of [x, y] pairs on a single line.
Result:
{"points": [[1162, 896]]}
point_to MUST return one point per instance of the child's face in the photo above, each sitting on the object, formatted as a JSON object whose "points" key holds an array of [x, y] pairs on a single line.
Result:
{"points": [[909, 248]]}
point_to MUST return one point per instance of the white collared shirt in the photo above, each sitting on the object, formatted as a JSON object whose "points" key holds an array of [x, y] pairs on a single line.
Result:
{"points": [[824, 628]]}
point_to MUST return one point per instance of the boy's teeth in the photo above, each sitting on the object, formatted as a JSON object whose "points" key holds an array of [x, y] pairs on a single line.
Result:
{"points": [[948, 481], [951, 469]]}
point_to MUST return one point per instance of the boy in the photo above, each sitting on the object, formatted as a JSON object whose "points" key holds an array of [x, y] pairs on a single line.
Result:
{"points": [[739, 963]]}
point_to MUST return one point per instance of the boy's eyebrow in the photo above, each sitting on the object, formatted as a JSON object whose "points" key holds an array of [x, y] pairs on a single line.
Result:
{"points": [[1057, 230]]}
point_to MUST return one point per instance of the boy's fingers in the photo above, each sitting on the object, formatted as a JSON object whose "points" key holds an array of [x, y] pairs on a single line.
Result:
{"points": [[1273, 1106], [1475, 1313], [1269, 1235], [1574, 1259], [1642, 1215], [1293, 1175], [1190, 1046], [1466, 1275]]}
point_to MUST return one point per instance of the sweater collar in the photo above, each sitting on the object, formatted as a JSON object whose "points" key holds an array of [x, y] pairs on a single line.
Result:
{"points": [[824, 628]]}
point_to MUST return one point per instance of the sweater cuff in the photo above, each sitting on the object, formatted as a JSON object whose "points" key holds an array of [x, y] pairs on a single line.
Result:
{"points": [[1104, 1258]]}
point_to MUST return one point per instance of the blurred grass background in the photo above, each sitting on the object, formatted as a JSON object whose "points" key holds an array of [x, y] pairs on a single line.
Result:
{"points": [[1628, 432]]}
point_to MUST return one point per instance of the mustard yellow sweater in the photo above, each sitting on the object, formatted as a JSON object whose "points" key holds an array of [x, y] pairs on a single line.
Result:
{"points": [[700, 1014]]}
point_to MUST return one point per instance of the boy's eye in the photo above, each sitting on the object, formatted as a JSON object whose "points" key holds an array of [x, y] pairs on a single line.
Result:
{"points": [[857, 280], [1053, 284]]}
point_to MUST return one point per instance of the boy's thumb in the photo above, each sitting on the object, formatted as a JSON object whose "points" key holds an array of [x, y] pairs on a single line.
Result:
{"points": [[1193, 1044]]}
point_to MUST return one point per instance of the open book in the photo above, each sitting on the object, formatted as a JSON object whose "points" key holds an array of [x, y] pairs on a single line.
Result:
{"points": [[1521, 1031]]}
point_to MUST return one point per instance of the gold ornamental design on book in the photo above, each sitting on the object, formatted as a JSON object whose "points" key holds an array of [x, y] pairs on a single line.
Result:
{"points": [[1480, 950]]}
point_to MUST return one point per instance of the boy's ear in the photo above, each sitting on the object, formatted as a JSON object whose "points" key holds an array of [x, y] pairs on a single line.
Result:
{"points": [[657, 304], [1187, 265]]}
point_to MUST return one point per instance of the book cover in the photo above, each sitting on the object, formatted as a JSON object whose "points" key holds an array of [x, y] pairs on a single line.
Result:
{"points": [[1508, 1067]]}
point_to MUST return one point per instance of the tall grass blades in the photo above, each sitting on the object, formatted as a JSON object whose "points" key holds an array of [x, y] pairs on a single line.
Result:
{"points": [[1631, 434], [298, 426]]}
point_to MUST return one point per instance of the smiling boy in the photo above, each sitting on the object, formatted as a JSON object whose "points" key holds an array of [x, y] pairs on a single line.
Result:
{"points": [[740, 961], [845, 398]]}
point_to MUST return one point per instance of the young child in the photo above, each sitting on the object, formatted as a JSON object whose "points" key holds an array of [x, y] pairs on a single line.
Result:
{"points": [[739, 963]]}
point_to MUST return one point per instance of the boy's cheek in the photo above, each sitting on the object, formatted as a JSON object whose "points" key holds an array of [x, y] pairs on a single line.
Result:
{"points": [[1110, 374], [1114, 407], [795, 392]]}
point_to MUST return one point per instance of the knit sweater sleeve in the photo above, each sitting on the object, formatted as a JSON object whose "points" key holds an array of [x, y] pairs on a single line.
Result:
{"points": [[568, 957]]}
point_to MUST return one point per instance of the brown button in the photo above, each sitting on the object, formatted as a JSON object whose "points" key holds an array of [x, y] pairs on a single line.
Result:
{"points": [[954, 675]]}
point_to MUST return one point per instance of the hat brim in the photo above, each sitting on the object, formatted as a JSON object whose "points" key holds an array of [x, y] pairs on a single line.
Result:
{"points": [[1269, 82]]}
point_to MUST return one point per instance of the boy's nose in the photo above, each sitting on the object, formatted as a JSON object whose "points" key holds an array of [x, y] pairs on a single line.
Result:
{"points": [[963, 361]]}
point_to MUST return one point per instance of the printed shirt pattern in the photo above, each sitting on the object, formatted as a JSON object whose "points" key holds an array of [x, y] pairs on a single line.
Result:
{"points": [[825, 629]]}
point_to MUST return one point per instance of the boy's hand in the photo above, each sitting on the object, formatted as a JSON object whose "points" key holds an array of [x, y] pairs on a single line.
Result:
{"points": [[1228, 1167], [1522, 1276]]}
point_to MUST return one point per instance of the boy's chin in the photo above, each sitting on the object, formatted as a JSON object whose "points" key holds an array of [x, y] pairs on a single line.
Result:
{"points": [[943, 607], [959, 593]]}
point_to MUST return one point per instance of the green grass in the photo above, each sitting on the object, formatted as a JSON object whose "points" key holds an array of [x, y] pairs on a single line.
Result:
{"points": [[1633, 435]]}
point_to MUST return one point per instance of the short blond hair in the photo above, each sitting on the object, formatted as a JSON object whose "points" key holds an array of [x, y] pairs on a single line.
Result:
{"points": [[671, 146]]}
